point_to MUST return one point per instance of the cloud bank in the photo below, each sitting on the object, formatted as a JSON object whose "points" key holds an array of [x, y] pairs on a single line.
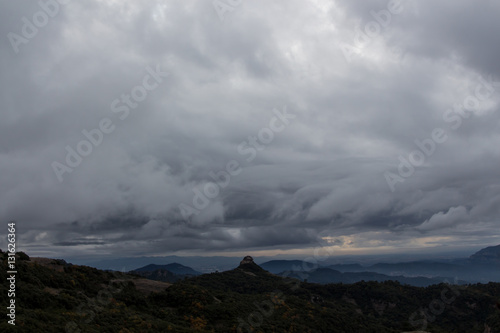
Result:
{"points": [[165, 105]]}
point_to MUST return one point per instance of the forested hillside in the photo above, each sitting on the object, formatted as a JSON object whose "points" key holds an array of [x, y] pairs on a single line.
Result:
{"points": [[53, 296]]}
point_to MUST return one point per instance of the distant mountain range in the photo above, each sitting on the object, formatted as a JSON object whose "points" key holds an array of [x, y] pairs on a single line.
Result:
{"points": [[328, 275], [294, 269], [201, 264], [483, 266]]}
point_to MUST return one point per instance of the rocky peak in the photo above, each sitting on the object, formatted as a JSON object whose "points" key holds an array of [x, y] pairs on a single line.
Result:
{"points": [[247, 260], [248, 266]]}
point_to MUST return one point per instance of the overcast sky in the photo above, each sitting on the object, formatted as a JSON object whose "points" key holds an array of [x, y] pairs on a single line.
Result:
{"points": [[367, 126]]}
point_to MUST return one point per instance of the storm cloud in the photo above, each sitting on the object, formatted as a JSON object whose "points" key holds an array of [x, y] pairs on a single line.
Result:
{"points": [[165, 127]]}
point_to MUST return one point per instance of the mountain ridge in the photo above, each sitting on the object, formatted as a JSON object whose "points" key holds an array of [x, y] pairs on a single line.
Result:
{"points": [[488, 255], [247, 298], [482, 266], [175, 268]]}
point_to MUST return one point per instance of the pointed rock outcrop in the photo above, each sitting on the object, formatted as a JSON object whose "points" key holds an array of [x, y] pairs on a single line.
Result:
{"points": [[247, 260], [249, 266]]}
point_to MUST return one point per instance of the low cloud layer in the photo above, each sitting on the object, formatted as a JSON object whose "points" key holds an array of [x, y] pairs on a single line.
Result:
{"points": [[176, 127]]}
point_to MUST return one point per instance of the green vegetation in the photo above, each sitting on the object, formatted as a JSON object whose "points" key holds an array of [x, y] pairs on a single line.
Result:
{"points": [[52, 296]]}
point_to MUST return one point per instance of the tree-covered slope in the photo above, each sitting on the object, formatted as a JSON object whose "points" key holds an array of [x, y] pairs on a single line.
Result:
{"points": [[52, 296]]}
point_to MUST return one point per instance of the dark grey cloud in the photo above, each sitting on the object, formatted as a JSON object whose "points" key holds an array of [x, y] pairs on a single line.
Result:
{"points": [[315, 177]]}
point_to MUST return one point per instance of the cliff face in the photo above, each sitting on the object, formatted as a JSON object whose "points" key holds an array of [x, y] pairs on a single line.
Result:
{"points": [[489, 255]]}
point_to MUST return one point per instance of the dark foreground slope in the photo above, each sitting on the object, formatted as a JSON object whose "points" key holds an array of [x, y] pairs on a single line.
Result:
{"points": [[57, 297]]}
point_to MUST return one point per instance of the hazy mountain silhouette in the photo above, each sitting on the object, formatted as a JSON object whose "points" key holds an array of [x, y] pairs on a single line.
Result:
{"points": [[173, 267], [482, 266], [168, 273], [489, 255]]}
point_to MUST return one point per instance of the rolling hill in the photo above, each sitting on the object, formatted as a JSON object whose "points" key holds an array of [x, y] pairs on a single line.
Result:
{"points": [[55, 296], [167, 273]]}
